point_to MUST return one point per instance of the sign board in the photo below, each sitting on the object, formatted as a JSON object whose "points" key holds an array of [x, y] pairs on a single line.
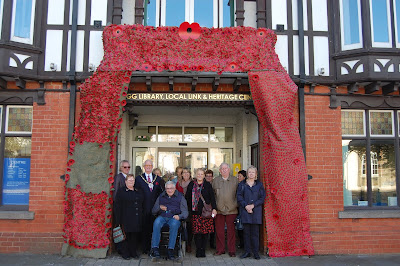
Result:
{"points": [[199, 97], [235, 168], [16, 177]]}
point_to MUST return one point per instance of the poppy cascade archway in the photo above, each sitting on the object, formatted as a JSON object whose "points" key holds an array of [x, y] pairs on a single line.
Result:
{"points": [[128, 48]]}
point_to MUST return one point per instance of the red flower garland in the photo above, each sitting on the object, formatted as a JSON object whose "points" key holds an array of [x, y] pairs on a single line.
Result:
{"points": [[85, 215], [129, 48]]}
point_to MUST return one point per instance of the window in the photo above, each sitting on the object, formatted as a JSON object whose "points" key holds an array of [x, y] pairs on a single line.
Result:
{"points": [[15, 149], [1, 15], [350, 13], [187, 134], [396, 6], [374, 164], [208, 13], [22, 21], [369, 158], [380, 23]]}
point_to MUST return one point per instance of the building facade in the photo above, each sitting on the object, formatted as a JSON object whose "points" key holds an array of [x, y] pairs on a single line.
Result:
{"points": [[343, 55]]}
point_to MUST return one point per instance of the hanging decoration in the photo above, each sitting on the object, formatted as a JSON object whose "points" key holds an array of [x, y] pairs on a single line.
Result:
{"points": [[128, 48]]}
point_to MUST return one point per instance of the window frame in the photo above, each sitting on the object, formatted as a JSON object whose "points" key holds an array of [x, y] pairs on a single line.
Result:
{"points": [[19, 39], [389, 23], [381, 111], [189, 13], [364, 124], [1, 16], [7, 115], [396, 22], [342, 37], [369, 165], [3, 135]]}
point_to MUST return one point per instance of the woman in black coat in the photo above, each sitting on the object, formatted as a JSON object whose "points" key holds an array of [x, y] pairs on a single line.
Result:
{"points": [[201, 226], [129, 215], [250, 197]]}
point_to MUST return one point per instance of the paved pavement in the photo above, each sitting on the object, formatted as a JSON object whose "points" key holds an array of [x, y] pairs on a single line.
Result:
{"points": [[190, 259]]}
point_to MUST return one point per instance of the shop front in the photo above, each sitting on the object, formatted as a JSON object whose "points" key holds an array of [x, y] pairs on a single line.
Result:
{"points": [[183, 132]]}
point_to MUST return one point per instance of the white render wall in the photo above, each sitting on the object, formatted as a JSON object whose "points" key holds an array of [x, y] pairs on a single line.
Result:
{"points": [[98, 11], [250, 17]]}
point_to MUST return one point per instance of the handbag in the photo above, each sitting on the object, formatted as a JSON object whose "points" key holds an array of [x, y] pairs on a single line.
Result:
{"points": [[206, 212], [118, 234], [238, 223]]}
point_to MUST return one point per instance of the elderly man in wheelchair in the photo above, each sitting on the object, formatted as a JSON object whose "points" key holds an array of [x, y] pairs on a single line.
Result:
{"points": [[171, 209]]}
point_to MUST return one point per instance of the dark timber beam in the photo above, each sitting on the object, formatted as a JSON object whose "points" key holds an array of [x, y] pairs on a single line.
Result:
{"points": [[117, 12], [171, 83], [194, 82], [3, 83], [239, 12], [215, 83], [20, 83], [261, 14], [334, 101], [373, 87], [139, 11], [352, 88], [236, 84], [148, 83], [391, 87]]}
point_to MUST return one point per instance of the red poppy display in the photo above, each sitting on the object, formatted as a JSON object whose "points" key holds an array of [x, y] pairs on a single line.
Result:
{"points": [[129, 48], [189, 31]]}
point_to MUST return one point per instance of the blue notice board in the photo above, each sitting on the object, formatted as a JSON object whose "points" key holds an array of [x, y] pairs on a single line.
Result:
{"points": [[16, 176]]}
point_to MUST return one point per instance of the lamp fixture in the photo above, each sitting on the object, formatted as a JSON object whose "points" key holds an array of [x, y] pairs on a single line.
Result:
{"points": [[53, 66]]}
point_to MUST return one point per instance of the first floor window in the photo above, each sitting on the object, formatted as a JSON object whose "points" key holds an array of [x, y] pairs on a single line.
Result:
{"points": [[208, 13], [350, 12], [397, 20], [369, 157], [22, 21], [380, 23], [15, 154], [1, 14]]}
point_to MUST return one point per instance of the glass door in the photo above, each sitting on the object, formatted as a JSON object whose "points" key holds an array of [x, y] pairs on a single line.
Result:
{"points": [[170, 158]]}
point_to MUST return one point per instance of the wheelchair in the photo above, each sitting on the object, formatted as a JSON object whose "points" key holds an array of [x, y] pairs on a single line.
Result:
{"points": [[180, 244]]}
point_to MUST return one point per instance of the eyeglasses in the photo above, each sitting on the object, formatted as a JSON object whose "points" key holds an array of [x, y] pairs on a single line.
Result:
{"points": [[130, 180], [127, 167], [148, 165]]}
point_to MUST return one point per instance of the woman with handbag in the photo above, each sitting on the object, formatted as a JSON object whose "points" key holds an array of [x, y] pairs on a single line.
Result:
{"points": [[250, 196], [202, 209], [128, 215], [238, 223]]}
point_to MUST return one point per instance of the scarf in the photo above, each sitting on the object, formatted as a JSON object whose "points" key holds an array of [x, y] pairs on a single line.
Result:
{"points": [[184, 184], [196, 191]]}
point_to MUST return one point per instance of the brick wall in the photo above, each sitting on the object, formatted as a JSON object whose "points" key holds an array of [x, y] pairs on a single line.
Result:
{"points": [[48, 163], [330, 234]]}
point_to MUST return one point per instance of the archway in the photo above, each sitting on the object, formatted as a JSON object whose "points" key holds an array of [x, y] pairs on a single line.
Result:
{"points": [[127, 48]]}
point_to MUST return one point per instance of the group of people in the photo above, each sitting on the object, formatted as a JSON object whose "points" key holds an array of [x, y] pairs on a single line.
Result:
{"points": [[145, 204]]}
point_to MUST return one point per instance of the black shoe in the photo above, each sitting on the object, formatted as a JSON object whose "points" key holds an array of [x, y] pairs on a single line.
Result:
{"points": [[256, 256], [155, 254], [202, 253], [245, 255], [170, 255], [126, 257], [198, 253]]}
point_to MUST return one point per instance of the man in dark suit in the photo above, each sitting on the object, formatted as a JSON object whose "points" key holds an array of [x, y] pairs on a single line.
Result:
{"points": [[151, 186], [119, 180]]}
